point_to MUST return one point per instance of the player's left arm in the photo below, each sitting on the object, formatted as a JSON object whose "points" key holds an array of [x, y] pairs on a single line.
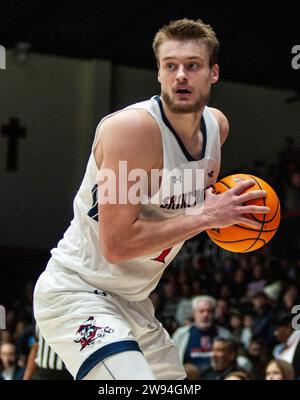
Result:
{"points": [[31, 365], [223, 124]]}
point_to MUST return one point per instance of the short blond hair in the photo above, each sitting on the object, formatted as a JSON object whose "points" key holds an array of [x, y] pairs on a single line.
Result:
{"points": [[188, 29]]}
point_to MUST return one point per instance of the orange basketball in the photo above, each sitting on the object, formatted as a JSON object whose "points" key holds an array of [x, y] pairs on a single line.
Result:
{"points": [[241, 238]]}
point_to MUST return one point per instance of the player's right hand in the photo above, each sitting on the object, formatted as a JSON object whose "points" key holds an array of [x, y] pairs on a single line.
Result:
{"points": [[229, 208]]}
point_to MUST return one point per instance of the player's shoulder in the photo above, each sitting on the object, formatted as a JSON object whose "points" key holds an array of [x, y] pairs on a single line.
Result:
{"points": [[131, 133], [222, 121], [131, 124], [219, 115]]}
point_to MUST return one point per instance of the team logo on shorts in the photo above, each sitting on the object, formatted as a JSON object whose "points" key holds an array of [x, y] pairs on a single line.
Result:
{"points": [[88, 332]]}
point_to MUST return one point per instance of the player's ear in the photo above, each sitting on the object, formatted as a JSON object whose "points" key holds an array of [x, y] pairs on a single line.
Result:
{"points": [[158, 74], [215, 73]]}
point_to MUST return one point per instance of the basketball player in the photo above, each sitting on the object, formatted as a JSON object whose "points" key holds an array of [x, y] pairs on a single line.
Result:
{"points": [[91, 303]]}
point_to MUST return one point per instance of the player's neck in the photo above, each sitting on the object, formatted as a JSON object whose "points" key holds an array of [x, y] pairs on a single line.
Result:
{"points": [[186, 126]]}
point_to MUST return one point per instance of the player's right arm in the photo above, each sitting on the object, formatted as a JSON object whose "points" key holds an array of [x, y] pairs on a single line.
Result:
{"points": [[135, 137]]}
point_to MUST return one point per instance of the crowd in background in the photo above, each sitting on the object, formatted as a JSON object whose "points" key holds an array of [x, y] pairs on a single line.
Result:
{"points": [[229, 314]]}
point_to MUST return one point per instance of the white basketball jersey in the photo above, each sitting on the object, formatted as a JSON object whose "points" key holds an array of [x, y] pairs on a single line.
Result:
{"points": [[79, 251]]}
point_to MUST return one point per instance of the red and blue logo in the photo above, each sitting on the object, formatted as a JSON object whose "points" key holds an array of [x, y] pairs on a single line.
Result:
{"points": [[88, 332]]}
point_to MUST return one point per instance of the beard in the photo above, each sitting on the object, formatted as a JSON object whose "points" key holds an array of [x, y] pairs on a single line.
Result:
{"points": [[199, 104]]}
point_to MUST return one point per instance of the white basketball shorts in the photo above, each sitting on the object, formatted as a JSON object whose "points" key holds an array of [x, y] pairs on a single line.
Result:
{"points": [[86, 326]]}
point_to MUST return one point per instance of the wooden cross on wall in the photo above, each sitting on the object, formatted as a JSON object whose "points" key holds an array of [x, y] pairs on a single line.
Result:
{"points": [[14, 132]]}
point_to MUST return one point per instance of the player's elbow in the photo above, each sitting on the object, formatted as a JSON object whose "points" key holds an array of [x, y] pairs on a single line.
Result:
{"points": [[111, 256], [113, 251]]}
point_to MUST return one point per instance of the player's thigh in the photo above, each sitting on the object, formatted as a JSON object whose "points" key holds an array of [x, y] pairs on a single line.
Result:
{"points": [[129, 365], [83, 329]]}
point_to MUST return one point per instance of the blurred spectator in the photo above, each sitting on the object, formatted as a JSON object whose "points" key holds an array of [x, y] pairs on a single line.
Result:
{"points": [[290, 298], [225, 293], [19, 329], [257, 354], [218, 280], [263, 323], [272, 292], [236, 325], [9, 370], [5, 336], [224, 359], [237, 376], [288, 348], [244, 263], [229, 265], [239, 285], [184, 310], [279, 370], [222, 313], [247, 331], [10, 320], [197, 288], [258, 283], [194, 341], [24, 343], [169, 305], [293, 273]]}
